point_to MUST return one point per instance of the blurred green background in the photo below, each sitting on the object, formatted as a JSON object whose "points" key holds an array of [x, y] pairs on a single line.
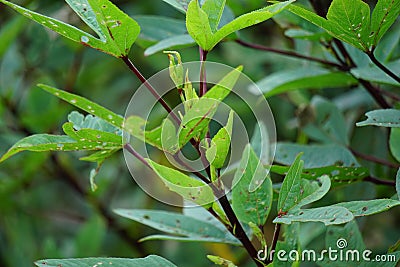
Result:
{"points": [[47, 209]]}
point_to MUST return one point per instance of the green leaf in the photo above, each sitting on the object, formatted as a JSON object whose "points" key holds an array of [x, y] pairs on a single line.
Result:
{"points": [[214, 9], [221, 261], [382, 117], [91, 122], [290, 193], [47, 142], [316, 192], [375, 74], [338, 174], [352, 17], [86, 105], [398, 184], [345, 238], [198, 116], [116, 30], [217, 152], [188, 187], [328, 215], [181, 5], [369, 207], [174, 42], [384, 15], [162, 137], [198, 23], [183, 228], [394, 143], [252, 190], [157, 28], [149, 261], [315, 156], [304, 78], [325, 124], [349, 21]]}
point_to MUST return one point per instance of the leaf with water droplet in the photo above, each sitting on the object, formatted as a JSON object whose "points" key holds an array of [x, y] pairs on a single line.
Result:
{"points": [[203, 30], [116, 31], [84, 104]]}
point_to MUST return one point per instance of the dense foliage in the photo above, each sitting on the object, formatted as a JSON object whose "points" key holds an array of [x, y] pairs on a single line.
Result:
{"points": [[329, 71]]}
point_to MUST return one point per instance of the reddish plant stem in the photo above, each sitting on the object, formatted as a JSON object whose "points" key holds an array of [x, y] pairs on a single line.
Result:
{"points": [[374, 159], [287, 53], [382, 67], [203, 82], [378, 181], [152, 90]]}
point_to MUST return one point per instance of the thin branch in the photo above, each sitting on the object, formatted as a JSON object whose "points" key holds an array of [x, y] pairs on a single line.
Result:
{"points": [[383, 67], [375, 159], [132, 151], [274, 240], [203, 83], [287, 53], [238, 230], [379, 181], [152, 90], [375, 93]]}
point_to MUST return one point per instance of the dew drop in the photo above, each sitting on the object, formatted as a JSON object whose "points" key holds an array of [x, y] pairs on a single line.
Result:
{"points": [[73, 101], [84, 39]]}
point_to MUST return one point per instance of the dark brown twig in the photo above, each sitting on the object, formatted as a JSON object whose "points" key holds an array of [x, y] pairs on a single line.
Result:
{"points": [[383, 67], [287, 53]]}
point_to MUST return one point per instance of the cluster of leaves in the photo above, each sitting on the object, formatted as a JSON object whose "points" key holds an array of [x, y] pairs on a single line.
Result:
{"points": [[310, 171]]}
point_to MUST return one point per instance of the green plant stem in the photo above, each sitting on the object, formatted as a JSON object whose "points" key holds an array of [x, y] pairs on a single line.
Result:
{"points": [[287, 53], [203, 82], [382, 67], [274, 241], [152, 90]]}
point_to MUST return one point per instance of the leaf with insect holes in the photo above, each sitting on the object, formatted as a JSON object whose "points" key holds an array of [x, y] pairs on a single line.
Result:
{"points": [[198, 116], [382, 117], [328, 215], [181, 227], [47, 142], [187, 187], [86, 105], [162, 137], [350, 21], [252, 190], [217, 152], [201, 25], [311, 191], [149, 261], [116, 30], [369, 207], [338, 174]]}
